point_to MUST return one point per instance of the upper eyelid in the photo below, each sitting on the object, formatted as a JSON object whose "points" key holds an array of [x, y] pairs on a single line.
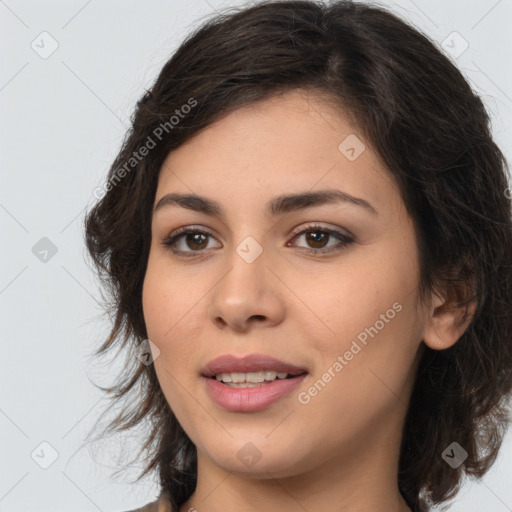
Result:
{"points": [[318, 225], [337, 232], [293, 232]]}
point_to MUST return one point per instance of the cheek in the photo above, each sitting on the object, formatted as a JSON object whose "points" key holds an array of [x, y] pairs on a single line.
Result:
{"points": [[163, 308], [165, 299], [155, 303], [369, 312], [341, 304], [376, 329], [172, 313]]}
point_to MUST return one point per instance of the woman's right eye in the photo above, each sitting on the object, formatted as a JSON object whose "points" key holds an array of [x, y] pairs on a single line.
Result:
{"points": [[189, 236]]}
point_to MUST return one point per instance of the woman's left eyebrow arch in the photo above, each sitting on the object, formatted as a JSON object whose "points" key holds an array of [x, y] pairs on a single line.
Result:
{"points": [[277, 206]]}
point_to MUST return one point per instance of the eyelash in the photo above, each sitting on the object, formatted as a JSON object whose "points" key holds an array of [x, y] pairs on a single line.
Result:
{"points": [[346, 240]]}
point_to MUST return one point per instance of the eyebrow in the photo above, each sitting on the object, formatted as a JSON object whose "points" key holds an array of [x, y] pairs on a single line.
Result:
{"points": [[277, 206]]}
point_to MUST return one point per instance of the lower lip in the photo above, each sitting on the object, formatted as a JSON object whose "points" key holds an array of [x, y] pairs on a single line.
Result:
{"points": [[251, 399]]}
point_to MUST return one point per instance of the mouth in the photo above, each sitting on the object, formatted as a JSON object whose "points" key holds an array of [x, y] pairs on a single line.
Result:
{"points": [[253, 370], [250, 369], [274, 379], [252, 379]]}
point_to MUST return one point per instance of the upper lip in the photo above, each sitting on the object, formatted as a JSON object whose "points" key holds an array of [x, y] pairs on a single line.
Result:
{"points": [[249, 363]]}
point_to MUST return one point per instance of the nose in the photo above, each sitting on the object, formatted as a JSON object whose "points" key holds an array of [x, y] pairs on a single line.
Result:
{"points": [[247, 293]]}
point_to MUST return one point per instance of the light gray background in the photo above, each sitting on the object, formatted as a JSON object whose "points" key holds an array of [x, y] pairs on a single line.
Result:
{"points": [[62, 121]]}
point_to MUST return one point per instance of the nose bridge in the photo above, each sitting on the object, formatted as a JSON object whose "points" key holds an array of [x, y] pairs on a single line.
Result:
{"points": [[247, 262], [244, 291], [249, 250]]}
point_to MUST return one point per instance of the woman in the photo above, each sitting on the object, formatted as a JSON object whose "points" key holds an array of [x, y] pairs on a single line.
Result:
{"points": [[307, 238]]}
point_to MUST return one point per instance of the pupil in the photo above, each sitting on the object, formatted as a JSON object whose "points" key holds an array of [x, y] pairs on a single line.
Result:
{"points": [[195, 236], [314, 235]]}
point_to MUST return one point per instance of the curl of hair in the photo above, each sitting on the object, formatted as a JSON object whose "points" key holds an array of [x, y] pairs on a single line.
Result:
{"points": [[420, 115]]}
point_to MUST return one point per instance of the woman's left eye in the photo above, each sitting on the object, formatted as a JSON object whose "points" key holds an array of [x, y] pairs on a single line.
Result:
{"points": [[317, 235]]}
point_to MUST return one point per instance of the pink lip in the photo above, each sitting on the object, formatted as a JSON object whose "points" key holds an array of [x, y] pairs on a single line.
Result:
{"points": [[250, 399], [250, 363], [255, 398]]}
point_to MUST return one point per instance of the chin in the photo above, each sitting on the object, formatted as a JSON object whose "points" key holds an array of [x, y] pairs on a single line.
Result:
{"points": [[257, 459]]}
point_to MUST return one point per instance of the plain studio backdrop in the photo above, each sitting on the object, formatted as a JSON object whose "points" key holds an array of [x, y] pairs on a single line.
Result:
{"points": [[71, 72]]}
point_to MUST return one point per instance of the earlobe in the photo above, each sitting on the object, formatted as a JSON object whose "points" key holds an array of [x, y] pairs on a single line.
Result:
{"points": [[446, 322]]}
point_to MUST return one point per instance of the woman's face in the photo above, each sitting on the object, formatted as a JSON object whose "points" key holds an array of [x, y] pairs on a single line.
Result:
{"points": [[256, 282]]}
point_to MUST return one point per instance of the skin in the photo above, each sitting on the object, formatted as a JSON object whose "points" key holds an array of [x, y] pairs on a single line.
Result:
{"points": [[339, 452]]}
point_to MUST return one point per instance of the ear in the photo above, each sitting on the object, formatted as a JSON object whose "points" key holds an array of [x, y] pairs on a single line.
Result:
{"points": [[447, 318]]}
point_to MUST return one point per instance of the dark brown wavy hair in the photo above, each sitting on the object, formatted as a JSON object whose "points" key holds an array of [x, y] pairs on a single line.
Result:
{"points": [[418, 112]]}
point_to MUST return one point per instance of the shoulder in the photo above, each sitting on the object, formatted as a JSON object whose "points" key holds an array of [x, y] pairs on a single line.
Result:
{"points": [[159, 505]]}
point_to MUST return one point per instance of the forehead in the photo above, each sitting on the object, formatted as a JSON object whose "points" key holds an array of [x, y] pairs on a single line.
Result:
{"points": [[291, 142]]}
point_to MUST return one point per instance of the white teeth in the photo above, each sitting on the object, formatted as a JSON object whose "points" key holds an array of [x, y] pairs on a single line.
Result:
{"points": [[226, 377], [270, 375], [245, 384], [250, 377]]}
